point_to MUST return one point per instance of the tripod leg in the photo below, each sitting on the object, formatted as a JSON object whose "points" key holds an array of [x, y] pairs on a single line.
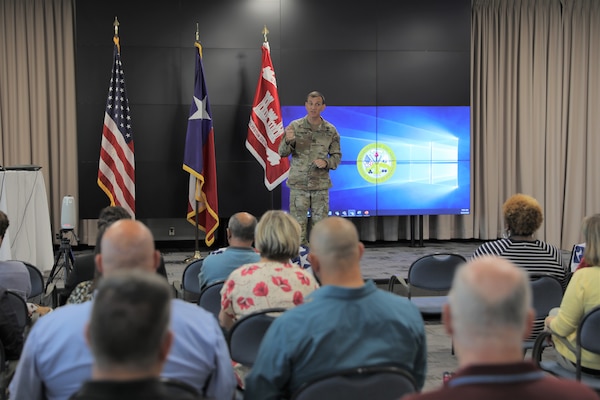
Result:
{"points": [[55, 269], [67, 264]]}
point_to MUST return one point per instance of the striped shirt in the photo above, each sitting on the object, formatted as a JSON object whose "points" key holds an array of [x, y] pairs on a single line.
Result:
{"points": [[537, 257]]}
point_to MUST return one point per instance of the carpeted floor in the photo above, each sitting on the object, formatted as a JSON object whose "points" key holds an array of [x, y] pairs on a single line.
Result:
{"points": [[380, 261]]}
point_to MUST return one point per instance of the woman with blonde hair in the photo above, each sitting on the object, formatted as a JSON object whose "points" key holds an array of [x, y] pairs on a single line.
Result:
{"points": [[273, 281], [581, 296]]}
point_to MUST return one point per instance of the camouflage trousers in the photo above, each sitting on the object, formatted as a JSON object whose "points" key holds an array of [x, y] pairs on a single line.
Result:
{"points": [[303, 200]]}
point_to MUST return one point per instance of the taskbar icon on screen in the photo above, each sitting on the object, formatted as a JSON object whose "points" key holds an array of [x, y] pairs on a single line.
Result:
{"points": [[349, 213]]}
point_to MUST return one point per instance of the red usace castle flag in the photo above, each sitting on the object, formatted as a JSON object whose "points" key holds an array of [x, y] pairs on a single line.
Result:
{"points": [[265, 129]]}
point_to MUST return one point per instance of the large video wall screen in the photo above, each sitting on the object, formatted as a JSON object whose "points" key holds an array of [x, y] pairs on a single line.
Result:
{"points": [[398, 160]]}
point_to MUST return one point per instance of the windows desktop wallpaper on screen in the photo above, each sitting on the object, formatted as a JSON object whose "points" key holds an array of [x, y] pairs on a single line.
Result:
{"points": [[397, 160]]}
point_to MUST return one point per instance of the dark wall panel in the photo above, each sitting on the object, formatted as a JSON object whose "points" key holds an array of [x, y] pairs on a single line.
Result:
{"points": [[230, 24], [432, 25], [328, 25], [422, 78], [344, 77]]}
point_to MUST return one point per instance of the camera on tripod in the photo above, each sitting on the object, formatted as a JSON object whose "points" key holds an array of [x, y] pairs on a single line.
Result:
{"points": [[65, 259]]}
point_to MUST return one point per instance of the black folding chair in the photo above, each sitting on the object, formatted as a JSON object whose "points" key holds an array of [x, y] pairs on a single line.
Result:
{"points": [[246, 334], [210, 298], [433, 272], [20, 308], [546, 293], [37, 283], [190, 285], [586, 339], [373, 383]]}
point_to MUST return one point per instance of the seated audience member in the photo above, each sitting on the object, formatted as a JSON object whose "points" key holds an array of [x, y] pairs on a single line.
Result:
{"points": [[14, 275], [129, 337], [240, 235], [523, 217], [11, 336], [81, 281], [488, 316], [347, 323], [273, 281], [85, 275], [56, 360], [582, 295]]}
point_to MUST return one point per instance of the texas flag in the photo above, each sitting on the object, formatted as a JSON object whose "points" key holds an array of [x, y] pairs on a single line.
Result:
{"points": [[199, 159], [265, 129]]}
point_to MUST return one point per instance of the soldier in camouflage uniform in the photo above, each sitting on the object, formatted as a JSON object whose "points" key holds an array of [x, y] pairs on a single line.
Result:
{"points": [[315, 148]]}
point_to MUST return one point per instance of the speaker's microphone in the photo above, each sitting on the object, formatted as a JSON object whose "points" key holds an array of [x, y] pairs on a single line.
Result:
{"points": [[67, 215]]}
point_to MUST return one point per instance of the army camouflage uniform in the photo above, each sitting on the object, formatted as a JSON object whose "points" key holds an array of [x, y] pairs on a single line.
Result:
{"points": [[309, 185]]}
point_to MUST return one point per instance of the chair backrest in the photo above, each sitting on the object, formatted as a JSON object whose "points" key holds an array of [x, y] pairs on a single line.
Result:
{"points": [[3, 372], [587, 334], [373, 383], [37, 281], [85, 264], [189, 281], [20, 308], [246, 334], [210, 298], [434, 271], [546, 292]]}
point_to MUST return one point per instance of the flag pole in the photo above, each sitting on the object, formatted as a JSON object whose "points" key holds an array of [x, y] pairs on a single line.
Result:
{"points": [[196, 255]]}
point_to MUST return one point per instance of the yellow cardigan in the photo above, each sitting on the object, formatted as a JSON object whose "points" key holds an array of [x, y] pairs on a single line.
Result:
{"points": [[581, 296]]}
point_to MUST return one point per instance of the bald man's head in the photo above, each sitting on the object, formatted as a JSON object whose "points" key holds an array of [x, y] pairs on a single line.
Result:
{"points": [[127, 244], [334, 241], [241, 227], [490, 298]]}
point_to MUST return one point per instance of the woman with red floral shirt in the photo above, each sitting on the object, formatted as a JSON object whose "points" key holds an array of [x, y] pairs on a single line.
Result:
{"points": [[273, 281]]}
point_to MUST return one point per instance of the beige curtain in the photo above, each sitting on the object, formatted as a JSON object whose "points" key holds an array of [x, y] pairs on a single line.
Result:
{"points": [[535, 96], [581, 110], [37, 93]]}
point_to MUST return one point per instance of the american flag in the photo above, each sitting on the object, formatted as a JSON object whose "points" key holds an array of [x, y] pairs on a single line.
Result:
{"points": [[116, 172], [199, 158], [265, 129]]}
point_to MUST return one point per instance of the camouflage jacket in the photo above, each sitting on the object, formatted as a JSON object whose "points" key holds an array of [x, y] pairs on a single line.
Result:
{"points": [[308, 146]]}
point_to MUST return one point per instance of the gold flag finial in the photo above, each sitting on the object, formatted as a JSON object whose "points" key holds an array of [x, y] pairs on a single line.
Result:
{"points": [[265, 32], [116, 25]]}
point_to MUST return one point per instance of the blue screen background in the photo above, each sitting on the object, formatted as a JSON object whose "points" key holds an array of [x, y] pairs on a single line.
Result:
{"points": [[430, 151]]}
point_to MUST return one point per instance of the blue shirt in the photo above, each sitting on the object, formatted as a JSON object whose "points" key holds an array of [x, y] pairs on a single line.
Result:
{"points": [[335, 329], [14, 276], [56, 360], [217, 266]]}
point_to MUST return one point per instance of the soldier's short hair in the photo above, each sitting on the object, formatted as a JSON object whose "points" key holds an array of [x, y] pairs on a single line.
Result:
{"points": [[314, 93]]}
